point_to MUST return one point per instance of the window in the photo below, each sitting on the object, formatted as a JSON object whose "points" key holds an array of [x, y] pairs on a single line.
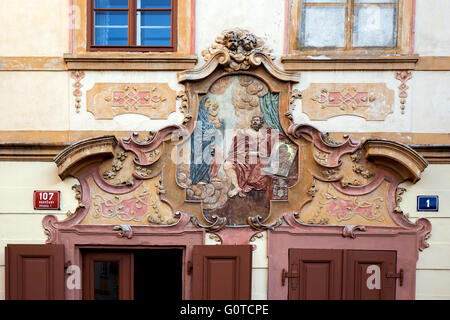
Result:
{"points": [[350, 26], [132, 25]]}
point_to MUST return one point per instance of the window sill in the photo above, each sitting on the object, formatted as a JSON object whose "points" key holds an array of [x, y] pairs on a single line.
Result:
{"points": [[349, 62], [130, 61]]}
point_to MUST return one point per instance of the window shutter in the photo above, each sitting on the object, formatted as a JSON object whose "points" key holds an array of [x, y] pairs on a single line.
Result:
{"points": [[222, 272], [364, 264], [315, 274], [34, 272]]}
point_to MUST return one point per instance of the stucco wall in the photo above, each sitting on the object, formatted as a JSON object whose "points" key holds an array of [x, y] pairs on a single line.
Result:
{"points": [[34, 27], [34, 100], [85, 120], [19, 222], [431, 32], [426, 108], [433, 267]]}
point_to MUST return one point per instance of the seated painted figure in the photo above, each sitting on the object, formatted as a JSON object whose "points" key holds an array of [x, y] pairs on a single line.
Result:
{"points": [[249, 154]]}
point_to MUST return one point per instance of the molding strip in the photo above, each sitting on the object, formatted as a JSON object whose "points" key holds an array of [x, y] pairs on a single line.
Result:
{"points": [[433, 153], [168, 62], [45, 152], [184, 62], [30, 151], [343, 62], [324, 63], [32, 64]]}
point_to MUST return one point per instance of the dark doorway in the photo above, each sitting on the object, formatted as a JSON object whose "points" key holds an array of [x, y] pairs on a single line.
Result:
{"points": [[140, 274], [157, 274]]}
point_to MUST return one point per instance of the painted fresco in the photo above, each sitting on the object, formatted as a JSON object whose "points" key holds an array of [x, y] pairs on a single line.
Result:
{"points": [[238, 157]]}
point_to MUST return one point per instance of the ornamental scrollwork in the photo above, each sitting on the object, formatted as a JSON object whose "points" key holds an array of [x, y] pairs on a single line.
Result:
{"points": [[296, 94], [313, 190], [116, 166], [358, 168], [184, 106], [345, 209], [78, 197], [403, 76], [217, 224], [257, 223], [238, 48], [398, 198], [331, 174]]}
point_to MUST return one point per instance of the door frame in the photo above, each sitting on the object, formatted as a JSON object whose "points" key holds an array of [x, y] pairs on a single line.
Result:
{"points": [[78, 237], [105, 249]]}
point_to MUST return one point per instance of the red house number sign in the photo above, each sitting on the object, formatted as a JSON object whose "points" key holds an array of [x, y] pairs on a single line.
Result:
{"points": [[46, 200]]}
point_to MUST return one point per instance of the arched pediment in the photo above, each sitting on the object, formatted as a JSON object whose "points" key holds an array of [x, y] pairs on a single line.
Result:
{"points": [[397, 156], [84, 153]]}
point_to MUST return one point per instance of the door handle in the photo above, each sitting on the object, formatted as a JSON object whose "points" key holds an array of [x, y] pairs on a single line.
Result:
{"points": [[189, 268], [395, 275], [285, 274]]}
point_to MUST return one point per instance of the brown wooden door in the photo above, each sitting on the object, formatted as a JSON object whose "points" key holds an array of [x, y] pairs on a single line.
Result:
{"points": [[34, 272], [108, 276], [222, 272], [336, 274], [318, 274], [362, 265]]}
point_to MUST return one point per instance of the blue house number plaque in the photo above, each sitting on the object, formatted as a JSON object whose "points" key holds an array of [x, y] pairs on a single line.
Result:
{"points": [[427, 203]]}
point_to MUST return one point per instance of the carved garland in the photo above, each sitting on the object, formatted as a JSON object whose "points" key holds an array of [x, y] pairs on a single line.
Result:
{"points": [[403, 76], [77, 76], [296, 94]]}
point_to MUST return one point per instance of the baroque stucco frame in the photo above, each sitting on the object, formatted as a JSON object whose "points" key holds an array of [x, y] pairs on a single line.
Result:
{"points": [[394, 163], [82, 160]]}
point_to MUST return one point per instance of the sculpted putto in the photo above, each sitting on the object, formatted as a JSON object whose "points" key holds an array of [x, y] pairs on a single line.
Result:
{"points": [[239, 45]]}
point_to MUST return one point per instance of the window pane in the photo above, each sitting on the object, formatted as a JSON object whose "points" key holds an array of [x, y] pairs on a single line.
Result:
{"points": [[323, 27], [375, 1], [111, 28], [324, 1], [375, 26], [154, 28], [153, 4], [106, 280], [111, 4]]}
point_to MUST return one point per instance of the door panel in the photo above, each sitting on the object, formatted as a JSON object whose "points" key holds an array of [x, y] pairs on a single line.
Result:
{"points": [[108, 276], [362, 265], [336, 274], [222, 272], [34, 272], [318, 274]]}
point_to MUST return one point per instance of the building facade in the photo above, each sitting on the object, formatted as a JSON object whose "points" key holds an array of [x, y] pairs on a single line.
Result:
{"points": [[288, 149]]}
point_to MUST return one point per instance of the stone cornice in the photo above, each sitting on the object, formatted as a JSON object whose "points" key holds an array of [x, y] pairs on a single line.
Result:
{"points": [[79, 155], [397, 156], [151, 62], [350, 62]]}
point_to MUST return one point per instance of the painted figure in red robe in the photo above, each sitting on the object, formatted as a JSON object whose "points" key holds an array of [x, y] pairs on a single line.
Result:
{"points": [[248, 156]]}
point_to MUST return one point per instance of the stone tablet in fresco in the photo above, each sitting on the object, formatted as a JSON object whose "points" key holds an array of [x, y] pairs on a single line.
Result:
{"points": [[238, 157]]}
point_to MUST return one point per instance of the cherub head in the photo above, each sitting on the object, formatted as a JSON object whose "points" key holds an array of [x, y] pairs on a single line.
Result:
{"points": [[231, 40], [249, 42]]}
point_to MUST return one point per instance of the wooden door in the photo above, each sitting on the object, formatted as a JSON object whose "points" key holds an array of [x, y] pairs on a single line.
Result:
{"points": [[34, 272], [370, 275], [108, 276], [222, 272], [315, 274]]}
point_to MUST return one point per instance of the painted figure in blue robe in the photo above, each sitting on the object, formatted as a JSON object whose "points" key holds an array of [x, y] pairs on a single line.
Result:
{"points": [[205, 143]]}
